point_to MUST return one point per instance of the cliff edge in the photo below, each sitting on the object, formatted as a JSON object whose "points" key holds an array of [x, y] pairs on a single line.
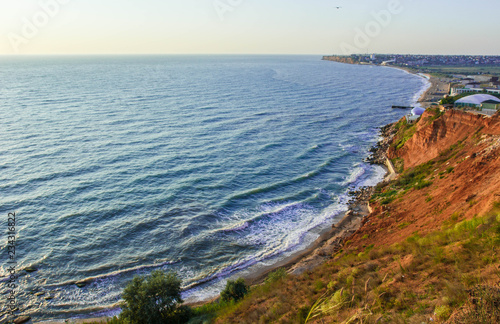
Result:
{"points": [[450, 166]]}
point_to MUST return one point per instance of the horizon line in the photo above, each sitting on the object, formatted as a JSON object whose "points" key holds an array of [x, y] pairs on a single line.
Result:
{"points": [[233, 54]]}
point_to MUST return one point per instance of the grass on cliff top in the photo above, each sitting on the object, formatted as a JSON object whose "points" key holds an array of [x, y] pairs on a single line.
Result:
{"points": [[423, 277], [404, 132], [420, 278], [416, 178]]}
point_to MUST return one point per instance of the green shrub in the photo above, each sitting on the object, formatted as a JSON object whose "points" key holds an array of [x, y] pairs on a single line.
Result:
{"points": [[442, 312], [154, 299], [404, 134], [423, 184], [399, 164], [387, 200], [234, 291], [276, 275]]}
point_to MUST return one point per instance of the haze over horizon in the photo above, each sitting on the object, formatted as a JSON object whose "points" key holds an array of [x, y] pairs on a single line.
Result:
{"points": [[44, 27]]}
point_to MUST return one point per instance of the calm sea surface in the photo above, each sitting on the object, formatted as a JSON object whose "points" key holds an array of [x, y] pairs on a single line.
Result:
{"points": [[208, 166]]}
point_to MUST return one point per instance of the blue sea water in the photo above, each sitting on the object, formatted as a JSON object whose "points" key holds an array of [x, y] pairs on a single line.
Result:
{"points": [[211, 166]]}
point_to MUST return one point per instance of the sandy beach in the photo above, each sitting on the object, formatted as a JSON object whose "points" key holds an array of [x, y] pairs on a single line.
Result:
{"points": [[439, 87]]}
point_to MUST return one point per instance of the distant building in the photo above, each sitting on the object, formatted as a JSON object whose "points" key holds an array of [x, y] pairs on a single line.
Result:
{"points": [[388, 62], [456, 90], [460, 89], [473, 85], [414, 115], [495, 84], [490, 105], [411, 119], [417, 111], [475, 101]]}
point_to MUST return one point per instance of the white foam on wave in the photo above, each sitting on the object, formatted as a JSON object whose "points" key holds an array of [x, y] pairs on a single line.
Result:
{"points": [[354, 175], [292, 228], [378, 175], [345, 147], [239, 226]]}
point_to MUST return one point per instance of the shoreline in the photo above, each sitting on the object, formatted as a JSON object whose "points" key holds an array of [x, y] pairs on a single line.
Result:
{"points": [[437, 87], [330, 240]]}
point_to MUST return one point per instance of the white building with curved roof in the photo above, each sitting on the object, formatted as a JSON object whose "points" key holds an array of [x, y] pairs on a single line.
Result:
{"points": [[417, 111], [475, 101]]}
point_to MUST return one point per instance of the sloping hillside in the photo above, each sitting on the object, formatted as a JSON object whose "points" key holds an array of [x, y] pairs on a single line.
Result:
{"points": [[452, 167], [429, 249]]}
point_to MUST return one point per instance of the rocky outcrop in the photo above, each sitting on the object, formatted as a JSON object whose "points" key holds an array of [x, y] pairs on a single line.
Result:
{"points": [[378, 152]]}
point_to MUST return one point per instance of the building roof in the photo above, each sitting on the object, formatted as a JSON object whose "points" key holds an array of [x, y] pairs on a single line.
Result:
{"points": [[417, 111], [491, 102], [477, 99]]}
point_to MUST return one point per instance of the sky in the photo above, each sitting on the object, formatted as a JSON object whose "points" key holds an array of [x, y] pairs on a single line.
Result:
{"points": [[249, 27]]}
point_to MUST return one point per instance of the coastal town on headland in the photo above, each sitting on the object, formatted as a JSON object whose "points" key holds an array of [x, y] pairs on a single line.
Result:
{"points": [[421, 61], [466, 82]]}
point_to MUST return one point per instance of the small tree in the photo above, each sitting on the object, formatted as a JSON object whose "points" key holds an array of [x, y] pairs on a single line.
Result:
{"points": [[235, 290], [154, 299], [276, 275]]}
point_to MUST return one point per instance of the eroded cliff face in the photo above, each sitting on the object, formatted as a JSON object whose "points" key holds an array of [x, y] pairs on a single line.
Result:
{"points": [[435, 136], [462, 151]]}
